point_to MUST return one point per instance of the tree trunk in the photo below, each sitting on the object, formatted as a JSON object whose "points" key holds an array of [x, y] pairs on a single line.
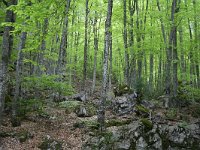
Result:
{"points": [[131, 44], [6, 53], [43, 47], [85, 45], [95, 51], [126, 70], [101, 111], [63, 45], [182, 63], [15, 120]]}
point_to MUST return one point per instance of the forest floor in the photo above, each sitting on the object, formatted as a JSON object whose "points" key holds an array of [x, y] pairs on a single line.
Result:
{"points": [[59, 126], [54, 123]]}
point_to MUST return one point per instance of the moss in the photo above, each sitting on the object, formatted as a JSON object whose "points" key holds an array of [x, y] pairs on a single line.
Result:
{"points": [[23, 136], [107, 135], [171, 114], [70, 106], [117, 122], [91, 109], [88, 107], [122, 89], [50, 144], [142, 111], [147, 124], [90, 124]]}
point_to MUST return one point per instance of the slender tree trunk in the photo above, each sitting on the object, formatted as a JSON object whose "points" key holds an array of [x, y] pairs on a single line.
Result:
{"points": [[182, 63], [6, 53], [111, 66], [151, 66], [173, 44], [95, 51], [15, 120], [131, 44], [77, 39], [43, 47], [85, 45], [126, 70], [196, 46], [101, 111], [168, 55], [63, 45], [140, 55]]}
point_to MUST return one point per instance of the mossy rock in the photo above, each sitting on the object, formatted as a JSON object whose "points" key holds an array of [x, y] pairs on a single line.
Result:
{"points": [[90, 124], [171, 114], [122, 89], [117, 122], [23, 136], [147, 123], [92, 110], [142, 111], [86, 110], [50, 144], [70, 106]]}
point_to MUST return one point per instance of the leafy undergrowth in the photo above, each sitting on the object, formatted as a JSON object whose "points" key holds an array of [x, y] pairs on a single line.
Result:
{"points": [[56, 124]]}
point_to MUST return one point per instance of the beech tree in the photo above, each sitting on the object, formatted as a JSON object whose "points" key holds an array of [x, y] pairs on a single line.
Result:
{"points": [[101, 111], [7, 46]]}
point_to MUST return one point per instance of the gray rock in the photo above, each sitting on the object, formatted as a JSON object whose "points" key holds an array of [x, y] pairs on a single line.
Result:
{"points": [[81, 112], [141, 144], [123, 145]]}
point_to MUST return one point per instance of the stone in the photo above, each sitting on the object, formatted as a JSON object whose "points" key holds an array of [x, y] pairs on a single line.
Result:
{"points": [[81, 112], [122, 105], [82, 96], [123, 145], [86, 110], [141, 144]]}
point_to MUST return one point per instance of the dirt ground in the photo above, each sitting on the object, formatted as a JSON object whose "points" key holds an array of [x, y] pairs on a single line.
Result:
{"points": [[59, 127]]}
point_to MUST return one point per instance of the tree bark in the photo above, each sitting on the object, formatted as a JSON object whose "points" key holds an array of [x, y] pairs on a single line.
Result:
{"points": [[131, 44], [95, 51], [6, 53], [101, 111], [18, 79], [85, 45], [63, 45], [126, 70]]}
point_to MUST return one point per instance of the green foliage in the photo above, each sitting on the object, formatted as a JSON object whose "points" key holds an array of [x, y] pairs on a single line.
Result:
{"points": [[70, 106], [188, 93], [47, 82], [28, 106]]}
